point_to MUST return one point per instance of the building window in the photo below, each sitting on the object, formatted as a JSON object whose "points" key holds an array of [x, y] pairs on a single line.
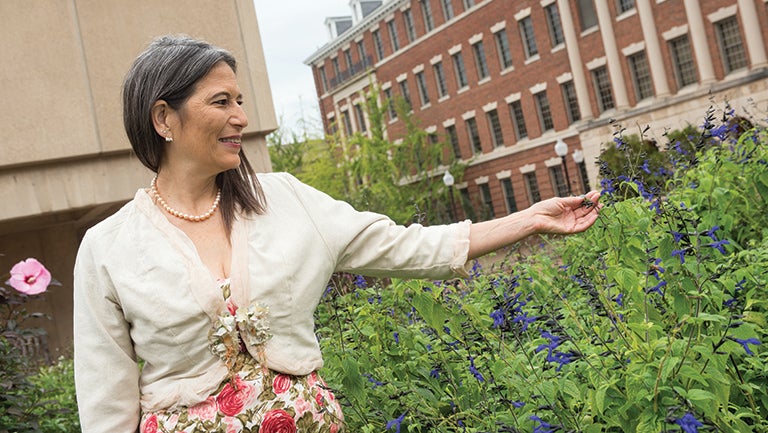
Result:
{"points": [[362, 54], [348, 60], [603, 88], [509, 195], [529, 38], [466, 204], [393, 35], [405, 92], [545, 113], [682, 59], [571, 102], [323, 78], [497, 136], [474, 135], [453, 137], [558, 180], [468, 4], [334, 126], [347, 123], [447, 9], [587, 15], [502, 46], [426, 11], [336, 68], [555, 27], [641, 75], [532, 187], [731, 48], [377, 45], [442, 88], [410, 30], [625, 5], [421, 83], [390, 104], [485, 194], [518, 119], [583, 176], [460, 70], [360, 118], [480, 61]]}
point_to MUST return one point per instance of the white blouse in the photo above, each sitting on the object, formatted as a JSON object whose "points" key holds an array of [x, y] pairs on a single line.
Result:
{"points": [[142, 292]]}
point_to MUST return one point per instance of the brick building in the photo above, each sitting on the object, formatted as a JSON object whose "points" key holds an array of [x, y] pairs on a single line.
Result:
{"points": [[505, 81]]}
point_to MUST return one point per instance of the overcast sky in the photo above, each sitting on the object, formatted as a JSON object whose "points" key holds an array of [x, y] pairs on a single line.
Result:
{"points": [[291, 31]]}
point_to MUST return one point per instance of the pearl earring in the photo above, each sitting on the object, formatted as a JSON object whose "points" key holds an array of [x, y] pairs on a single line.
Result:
{"points": [[168, 138]]}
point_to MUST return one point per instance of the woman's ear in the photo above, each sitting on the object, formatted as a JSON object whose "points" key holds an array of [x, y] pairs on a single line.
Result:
{"points": [[160, 119]]}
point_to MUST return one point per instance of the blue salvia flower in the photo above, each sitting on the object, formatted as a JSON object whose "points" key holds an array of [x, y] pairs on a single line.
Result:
{"points": [[518, 404], [645, 167], [740, 284], [680, 254], [543, 426], [498, 317], [746, 342], [656, 206], [607, 186], [371, 379], [435, 373], [688, 423], [396, 423], [677, 236], [657, 288], [656, 268], [525, 320], [397, 337], [711, 232], [619, 299], [360, 282], [679, 148], [474, 371], [561, 358], [719, 245]]}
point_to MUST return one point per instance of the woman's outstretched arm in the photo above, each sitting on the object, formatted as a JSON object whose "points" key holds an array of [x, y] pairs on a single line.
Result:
{"points": [[559, 215]]}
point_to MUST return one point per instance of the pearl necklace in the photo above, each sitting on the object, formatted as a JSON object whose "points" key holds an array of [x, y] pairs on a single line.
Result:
{"points": [[182, 215]]}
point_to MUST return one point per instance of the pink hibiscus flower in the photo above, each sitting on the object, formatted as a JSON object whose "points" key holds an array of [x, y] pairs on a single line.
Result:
{"points": [[30, 277]]}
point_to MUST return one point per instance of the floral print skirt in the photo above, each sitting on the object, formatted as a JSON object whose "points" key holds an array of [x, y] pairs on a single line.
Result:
{"points": [[252, 398], [259, 402]]}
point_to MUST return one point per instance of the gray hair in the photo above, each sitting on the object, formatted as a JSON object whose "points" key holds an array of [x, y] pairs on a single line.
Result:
{"points": [[168, 70]]}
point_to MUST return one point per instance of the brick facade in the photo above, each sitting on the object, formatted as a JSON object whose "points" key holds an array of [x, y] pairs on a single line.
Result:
{"points": [[630, 49]]}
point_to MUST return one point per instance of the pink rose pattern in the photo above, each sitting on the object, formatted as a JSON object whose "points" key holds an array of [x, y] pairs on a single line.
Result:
{"points": [[259, 400], [246, 404]]}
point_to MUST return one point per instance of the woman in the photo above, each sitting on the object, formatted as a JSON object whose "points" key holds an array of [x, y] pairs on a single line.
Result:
{"points": [[209, 277]]}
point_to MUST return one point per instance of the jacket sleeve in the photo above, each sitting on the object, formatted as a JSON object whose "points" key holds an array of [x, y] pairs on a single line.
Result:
{"points": [[372, 244], [106, 371]]}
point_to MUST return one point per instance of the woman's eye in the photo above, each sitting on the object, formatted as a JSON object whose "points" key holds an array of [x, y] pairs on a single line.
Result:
{"points": [[221, 102], [240, 102]]}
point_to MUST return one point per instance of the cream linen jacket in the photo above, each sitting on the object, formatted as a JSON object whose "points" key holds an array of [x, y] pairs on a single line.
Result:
{"points": [[142, 291]]}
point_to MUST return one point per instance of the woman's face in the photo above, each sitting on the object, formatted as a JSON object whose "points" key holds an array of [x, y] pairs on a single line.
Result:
{"points": [[207, 129]]}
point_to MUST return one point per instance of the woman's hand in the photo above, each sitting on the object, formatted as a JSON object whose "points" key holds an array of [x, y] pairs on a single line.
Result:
{"points": [[559, 215], [566, 215]]}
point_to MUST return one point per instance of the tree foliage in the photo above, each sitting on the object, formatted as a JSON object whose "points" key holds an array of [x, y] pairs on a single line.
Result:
{"points": [[400, 179]]}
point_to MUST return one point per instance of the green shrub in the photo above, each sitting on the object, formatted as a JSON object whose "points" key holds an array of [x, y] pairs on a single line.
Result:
{"points": [[653, 320], [56, 405]]}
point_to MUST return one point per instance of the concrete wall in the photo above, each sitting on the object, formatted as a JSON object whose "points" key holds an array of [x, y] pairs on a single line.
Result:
{"points": [[65, 162]]}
